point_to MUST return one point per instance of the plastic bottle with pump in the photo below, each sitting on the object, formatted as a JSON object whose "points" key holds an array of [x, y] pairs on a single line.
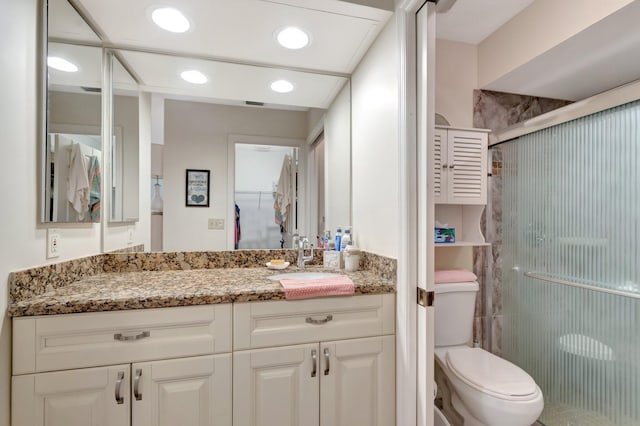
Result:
{"points": [[346, 239], [338, 238]]}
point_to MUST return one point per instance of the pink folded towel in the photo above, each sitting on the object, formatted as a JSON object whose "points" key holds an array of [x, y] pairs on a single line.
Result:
{"points": [[321, 287], [454, 276]]}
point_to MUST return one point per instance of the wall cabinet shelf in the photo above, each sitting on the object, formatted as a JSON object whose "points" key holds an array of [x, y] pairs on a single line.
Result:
{"points": [[459, 164]]}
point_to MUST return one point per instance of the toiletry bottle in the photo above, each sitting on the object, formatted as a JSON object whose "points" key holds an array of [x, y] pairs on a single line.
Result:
{"points": [[346, 239], [327, 239], [338, 238]]}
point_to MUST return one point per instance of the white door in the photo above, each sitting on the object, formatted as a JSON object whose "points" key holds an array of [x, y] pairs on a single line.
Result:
{"points": [[182, 392], [276, 386], [467, 174], [357, 382], [425, 28], [86, 397]]}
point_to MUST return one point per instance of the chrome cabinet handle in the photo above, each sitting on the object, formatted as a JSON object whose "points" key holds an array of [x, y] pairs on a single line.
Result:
{"points": [[136, 385], [326, 361], [129, 338], [119, 397], [318, 322], [314, 359]]}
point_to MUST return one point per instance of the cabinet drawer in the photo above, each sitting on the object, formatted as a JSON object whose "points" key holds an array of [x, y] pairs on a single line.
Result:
{"points": [[58, 342], [263, 324]]}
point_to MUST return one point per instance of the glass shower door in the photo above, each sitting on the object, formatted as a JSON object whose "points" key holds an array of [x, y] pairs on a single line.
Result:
{"points": [[571, 266]]}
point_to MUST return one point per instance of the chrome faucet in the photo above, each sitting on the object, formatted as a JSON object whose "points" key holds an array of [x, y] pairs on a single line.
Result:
{"points": [[303, 244]]}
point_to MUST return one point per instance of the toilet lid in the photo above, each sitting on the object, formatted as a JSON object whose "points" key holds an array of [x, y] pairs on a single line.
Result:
{"points": [[488, 372]]}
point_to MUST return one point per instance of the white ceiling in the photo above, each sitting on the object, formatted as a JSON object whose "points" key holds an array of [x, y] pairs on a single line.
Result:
{"points": [[597, 59], [232, 41], [471, 21]]}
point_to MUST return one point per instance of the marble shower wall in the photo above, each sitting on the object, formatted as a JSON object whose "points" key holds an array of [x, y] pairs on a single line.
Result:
{"points": [[497, 111]]}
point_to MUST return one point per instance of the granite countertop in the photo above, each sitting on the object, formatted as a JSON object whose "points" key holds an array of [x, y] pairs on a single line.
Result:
{"points": [[159, 289]]}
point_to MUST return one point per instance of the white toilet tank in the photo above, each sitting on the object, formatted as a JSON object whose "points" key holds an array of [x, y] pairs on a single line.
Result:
{"points": [[454, 306]]}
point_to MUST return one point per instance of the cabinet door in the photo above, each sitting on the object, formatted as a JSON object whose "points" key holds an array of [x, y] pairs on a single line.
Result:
{"points": [[467, 173], [357, 386], [182, 392], [87, 397], [276, 386], [440, 166]]}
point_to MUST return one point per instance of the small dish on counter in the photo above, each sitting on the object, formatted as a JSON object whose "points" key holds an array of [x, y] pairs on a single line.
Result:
{"points": [[285, 265]]}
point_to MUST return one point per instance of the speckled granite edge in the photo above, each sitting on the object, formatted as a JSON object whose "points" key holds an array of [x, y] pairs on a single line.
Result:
{"points": [[178, 261], [32, 282], [386, 267]]}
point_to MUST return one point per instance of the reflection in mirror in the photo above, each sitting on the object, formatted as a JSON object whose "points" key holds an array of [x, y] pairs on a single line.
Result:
{"points": [[265, 196], [124, 178], [72, 149]]}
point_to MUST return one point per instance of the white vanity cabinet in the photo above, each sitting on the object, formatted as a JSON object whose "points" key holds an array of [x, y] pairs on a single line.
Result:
{"points": [[140, 386], [320, 381], [83, 397], [316, 362]]}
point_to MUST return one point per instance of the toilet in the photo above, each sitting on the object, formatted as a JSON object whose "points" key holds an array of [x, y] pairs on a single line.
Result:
{"points": [[485, 390]]}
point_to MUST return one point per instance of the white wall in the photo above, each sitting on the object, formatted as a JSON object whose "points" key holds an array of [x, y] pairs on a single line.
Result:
{"points": [[456, 78], [337, 161], [23, 237], [196, 137], [375, 168], [258, 169], [538, 28]]}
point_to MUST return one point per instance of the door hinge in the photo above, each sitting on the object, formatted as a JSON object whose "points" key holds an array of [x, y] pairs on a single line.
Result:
{"points": [[425, 298]]}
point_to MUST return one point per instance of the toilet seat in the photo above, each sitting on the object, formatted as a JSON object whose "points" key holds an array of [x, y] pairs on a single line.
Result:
{"points": [[490, 374]]}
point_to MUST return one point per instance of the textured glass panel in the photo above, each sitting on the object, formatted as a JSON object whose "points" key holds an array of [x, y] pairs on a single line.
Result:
{"points": [[571, 212]]}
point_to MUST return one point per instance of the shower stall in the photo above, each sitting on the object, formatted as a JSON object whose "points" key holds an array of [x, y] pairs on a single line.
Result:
{"points": [[568, 242]]}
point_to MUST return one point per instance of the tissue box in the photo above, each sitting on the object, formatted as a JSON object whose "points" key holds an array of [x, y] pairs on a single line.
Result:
{"points": [[445, 235], [332, 259]]}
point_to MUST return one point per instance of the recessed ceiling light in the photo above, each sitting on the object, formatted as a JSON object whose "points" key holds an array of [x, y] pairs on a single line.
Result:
{"points": [[193, 76], [61, 64], [170, 19], [281, 86], [292, 38]]}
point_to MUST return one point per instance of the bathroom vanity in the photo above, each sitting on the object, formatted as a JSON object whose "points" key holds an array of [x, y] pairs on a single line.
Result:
{"points": [[205, 347]]}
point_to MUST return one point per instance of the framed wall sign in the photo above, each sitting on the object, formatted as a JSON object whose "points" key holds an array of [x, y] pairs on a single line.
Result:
{"points": [[197, 188]]}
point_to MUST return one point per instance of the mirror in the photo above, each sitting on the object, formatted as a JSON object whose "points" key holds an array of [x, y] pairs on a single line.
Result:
{"points": [[265, 196], [239, 67], [72, 147], [124, 182]]}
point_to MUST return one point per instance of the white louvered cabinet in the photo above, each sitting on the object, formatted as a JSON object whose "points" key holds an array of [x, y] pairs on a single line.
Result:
{"points": [[460, 166], [459, 178]]}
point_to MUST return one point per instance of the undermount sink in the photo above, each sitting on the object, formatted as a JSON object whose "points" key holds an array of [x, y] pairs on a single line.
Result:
{"points": [[302, 276]]}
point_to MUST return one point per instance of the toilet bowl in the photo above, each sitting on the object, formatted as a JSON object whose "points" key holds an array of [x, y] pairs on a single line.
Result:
{"points": [[486, 390]]}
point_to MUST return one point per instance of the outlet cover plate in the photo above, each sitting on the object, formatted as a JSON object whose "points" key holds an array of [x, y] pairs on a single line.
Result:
{"points": [[216, 224], [53, 243]]}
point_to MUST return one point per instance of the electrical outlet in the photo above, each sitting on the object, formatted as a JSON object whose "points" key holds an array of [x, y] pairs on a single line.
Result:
{"points": [[130, 235], [216, 224], [53, 243]]}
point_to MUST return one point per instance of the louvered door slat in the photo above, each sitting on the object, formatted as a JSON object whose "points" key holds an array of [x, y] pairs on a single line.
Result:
{"points": [[439, 166], [468, 177]]}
